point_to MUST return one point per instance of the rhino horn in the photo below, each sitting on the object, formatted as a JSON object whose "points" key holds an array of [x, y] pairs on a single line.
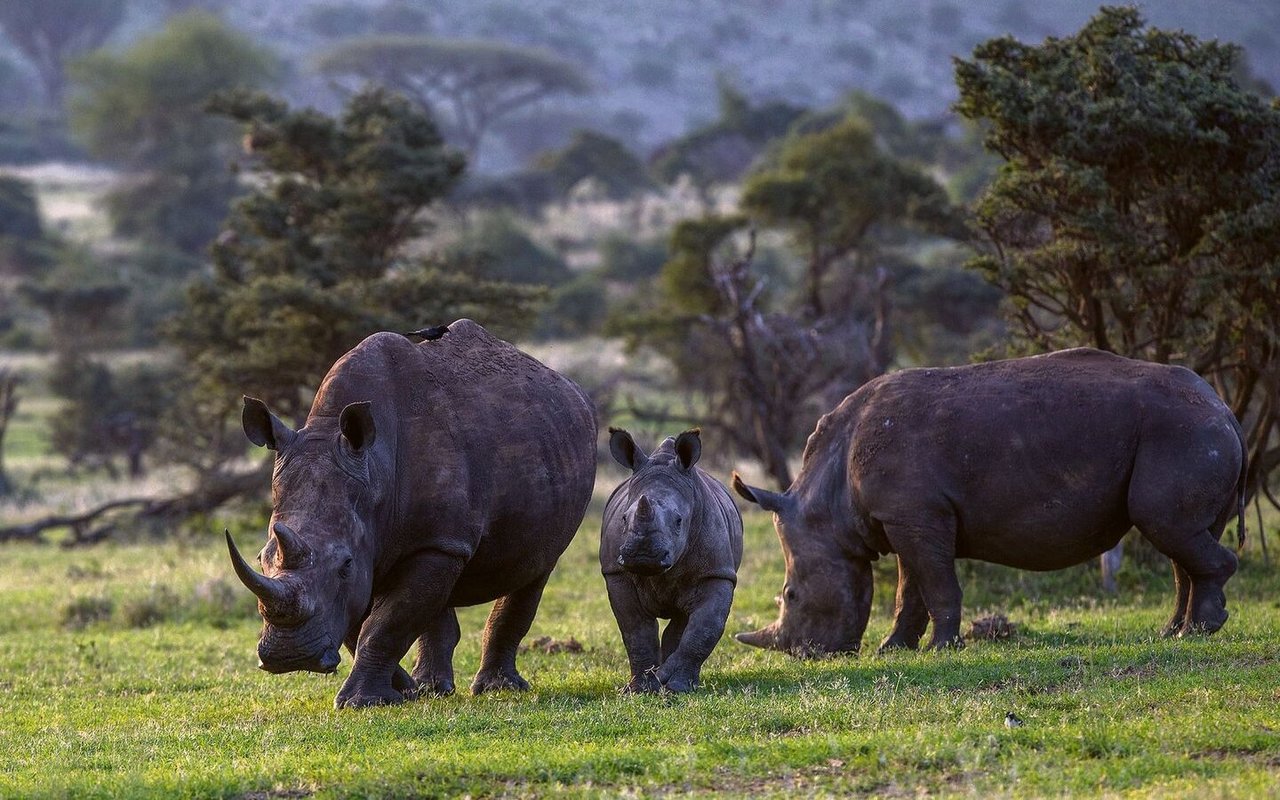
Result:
{"points": [[293, 550], [766, 637], [644, 510], [268, 590]]}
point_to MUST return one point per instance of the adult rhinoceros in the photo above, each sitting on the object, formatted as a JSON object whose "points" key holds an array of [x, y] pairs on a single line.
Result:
{"points": [[429, 476], [1037, 463]]}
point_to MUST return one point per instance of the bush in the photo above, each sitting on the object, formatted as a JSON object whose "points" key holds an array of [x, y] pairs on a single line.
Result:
{"points": [[497, 249], [630, 261], [157, 606], [577, 308], [82, 612]]}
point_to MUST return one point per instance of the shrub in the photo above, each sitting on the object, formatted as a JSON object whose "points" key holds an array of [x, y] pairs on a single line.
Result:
{"points": [[82, 612]]}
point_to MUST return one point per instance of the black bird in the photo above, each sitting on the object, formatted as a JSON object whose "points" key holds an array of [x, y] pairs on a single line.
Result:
{"points": [[429, 334]]}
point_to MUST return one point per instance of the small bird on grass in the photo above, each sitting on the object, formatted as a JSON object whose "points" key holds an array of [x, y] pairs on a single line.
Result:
{"points": [[429, 334], [1011, 720]]}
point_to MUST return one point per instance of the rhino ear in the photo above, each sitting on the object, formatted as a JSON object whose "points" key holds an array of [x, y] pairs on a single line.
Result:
{"points": [[264, 428], [356, 424], [769, 501], [689, 447], [625, 450]]}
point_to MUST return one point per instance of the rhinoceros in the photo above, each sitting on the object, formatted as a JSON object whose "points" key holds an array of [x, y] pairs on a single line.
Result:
{"points": [[670, 547], [427, 477], [1037, 463]]}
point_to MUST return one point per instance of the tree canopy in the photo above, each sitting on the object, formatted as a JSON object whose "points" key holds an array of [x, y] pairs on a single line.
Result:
{"points": [[1136, 209], [50, 32], [835, 190], [466, 85], [143, 110], [317, 257]]}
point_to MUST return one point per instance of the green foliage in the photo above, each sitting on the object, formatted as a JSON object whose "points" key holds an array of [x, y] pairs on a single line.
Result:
{"points": [[838, 195], [316, 257], [1136, 209], [576, 308], [496, 248], [606, 161], [106, 414], [468, 85], [84, 611], [725, 149], [181, 709], [144, 109], [688, 279], [24, 248], [623, 258]]}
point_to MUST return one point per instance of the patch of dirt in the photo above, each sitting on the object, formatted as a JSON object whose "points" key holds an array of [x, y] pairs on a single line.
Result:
{"points": [[992, 627], [550, 646]]}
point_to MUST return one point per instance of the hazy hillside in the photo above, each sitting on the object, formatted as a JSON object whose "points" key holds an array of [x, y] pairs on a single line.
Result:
{"points": [[654, 64]]}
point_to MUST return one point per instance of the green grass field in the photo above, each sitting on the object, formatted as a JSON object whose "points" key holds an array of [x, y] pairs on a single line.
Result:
{"points": [[128, 670]]}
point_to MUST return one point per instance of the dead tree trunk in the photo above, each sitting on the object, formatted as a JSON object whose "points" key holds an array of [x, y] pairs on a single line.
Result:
{"points": [[8, 405]]}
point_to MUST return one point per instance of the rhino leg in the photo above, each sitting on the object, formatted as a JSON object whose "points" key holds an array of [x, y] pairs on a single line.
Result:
{"points": [[672, 633], [401, 681], [1182, 600], [928, 553], [639, 631], [1172, 505], [417, 592], [1209, 565], [433, 669], [910, 616], [680, 672], [508, 623]]}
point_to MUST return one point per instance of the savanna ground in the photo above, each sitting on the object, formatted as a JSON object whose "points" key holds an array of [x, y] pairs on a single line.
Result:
{"points": [[128, 670]]}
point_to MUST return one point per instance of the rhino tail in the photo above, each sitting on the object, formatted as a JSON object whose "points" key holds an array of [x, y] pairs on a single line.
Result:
{"points": [[1241, 486]]}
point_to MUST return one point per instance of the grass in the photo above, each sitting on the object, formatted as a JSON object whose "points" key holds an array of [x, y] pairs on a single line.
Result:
{"points": [[128, 670]]}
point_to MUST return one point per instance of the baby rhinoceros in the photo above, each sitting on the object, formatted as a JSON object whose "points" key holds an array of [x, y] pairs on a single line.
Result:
{"points": [[670, 548]]}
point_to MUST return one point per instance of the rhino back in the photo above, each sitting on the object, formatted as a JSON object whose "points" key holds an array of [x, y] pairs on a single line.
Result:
{"points": [[1040, 447], [475, 435]]}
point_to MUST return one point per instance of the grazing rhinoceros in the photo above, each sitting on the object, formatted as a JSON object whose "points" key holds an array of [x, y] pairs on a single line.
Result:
{"points": [[670, 547], [427, 477], [1038, 463]]}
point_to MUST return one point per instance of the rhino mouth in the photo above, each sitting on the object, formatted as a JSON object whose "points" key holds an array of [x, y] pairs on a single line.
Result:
{"points": [[325, 663], [645, 566]]}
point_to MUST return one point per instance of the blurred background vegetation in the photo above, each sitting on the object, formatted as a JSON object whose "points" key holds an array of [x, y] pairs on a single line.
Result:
{"points": [[721, 214]]}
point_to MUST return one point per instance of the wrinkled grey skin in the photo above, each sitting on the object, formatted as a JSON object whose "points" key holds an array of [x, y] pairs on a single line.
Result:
{"points": [[427, 477], [670, 547], [1037, 463]]}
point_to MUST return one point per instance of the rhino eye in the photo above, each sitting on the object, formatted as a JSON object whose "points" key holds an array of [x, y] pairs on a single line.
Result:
{"points": [[344, 571], [790, 594]]}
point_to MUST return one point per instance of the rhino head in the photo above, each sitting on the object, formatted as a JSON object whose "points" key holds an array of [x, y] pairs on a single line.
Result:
{"points": [[317, 564], [656, 521], [826, 599]]}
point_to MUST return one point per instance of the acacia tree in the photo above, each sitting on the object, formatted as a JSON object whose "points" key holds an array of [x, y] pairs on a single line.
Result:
{"points": [[839, 194], [766, 366], [143, 110], [1136, 209], [317, 256], [466, 85], [51, 32]]}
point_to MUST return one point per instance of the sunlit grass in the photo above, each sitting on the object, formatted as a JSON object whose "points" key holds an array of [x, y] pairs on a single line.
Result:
{"points": [[171, 704]]}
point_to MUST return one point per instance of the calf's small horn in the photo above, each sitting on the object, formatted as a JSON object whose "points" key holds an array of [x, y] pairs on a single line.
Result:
{"points": [[268, 590], [644, 510]]}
